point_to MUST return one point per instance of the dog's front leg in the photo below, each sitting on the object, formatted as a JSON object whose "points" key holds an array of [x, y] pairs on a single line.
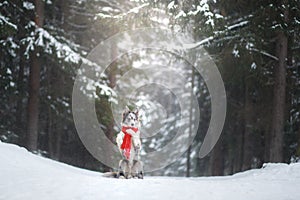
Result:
{"points": [[129, 175], [124, 169], [137, 169], [136, 141]]}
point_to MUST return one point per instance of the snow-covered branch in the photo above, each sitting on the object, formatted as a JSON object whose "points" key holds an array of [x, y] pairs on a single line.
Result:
{"points": [[211, 38], [198, 44], [121, 16], [264, 53], [51, 45], [4, 21]]}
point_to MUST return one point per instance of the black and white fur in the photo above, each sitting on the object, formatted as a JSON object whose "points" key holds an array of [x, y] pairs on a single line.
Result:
{"points": [[132, 167]]}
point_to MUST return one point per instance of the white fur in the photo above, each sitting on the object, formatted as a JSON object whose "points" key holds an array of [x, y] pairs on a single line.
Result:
{"points": [[119, 140], [132, 166]]}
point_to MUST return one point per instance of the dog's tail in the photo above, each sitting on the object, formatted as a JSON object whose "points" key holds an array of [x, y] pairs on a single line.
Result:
{"points": [[110, 174]]}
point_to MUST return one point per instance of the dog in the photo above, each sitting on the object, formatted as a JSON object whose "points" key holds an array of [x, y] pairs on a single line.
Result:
{"points": [[129, 144]]}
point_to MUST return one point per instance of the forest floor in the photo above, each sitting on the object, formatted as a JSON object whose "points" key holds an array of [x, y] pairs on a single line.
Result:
{"points": [[24, 175]]}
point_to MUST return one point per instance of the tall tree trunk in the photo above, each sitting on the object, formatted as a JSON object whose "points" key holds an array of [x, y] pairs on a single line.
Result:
{"points": [[50, 119], [19, 109], [218, 159], [20, 122], [277, 132], [248, 131], [239, 146], [298, 145], [33, 103], [34, 86], [49, 132], [55, 124], [57, 140], [188, 160]]}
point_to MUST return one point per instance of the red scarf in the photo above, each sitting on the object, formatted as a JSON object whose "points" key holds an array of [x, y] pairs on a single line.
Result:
{"points": [[126, 144]]}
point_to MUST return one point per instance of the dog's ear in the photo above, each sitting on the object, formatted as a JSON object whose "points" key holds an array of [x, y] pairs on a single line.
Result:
{"points": [[136, 112], [126, 111]]}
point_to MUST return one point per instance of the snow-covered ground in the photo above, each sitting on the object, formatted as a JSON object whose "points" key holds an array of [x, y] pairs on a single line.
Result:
{"points": [[27, 176]]}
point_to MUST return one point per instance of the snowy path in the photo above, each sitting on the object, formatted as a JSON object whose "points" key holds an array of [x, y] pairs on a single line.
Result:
{"points": [[27, 176]]}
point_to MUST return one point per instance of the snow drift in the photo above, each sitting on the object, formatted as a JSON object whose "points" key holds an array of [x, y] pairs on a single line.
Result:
{"points": [[27, 176]]}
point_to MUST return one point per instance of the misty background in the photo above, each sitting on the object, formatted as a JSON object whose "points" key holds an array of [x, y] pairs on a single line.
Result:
{"points": [[255, 46]]}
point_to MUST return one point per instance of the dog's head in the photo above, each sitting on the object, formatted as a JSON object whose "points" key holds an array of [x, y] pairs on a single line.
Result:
{"points": [[130, 118]]}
